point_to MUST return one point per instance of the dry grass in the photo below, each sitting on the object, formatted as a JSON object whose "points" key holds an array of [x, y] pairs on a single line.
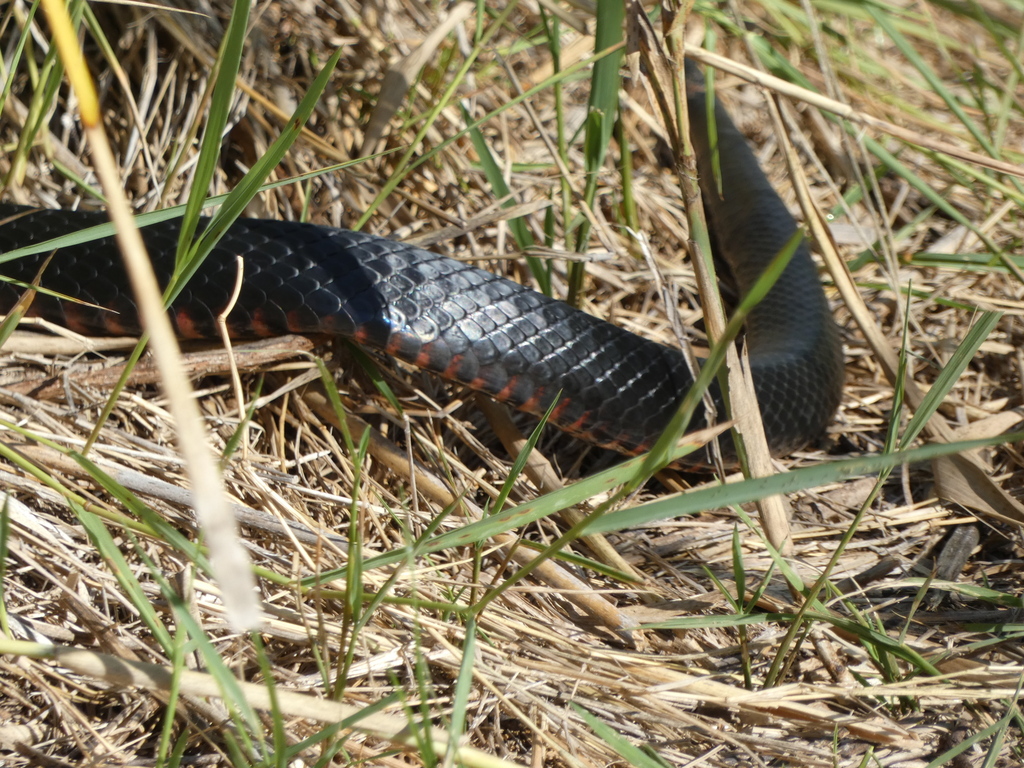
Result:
{"points": [[893, 675]]}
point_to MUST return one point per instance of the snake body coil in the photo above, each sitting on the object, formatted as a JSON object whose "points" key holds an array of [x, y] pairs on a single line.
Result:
{"points": [[613, 388]]}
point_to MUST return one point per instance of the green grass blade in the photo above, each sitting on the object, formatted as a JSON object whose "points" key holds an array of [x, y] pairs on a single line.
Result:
{"points": [[951, 372], [517, 226], [632, 754], [224, 75], [934, 81], [237, 200], [790, 482], [602, 109]]}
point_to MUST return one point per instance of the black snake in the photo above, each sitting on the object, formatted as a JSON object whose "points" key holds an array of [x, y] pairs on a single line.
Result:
{"points": [[614, 388]]}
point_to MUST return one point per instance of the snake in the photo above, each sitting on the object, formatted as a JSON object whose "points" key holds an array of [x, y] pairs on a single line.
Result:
{"points": [[594, 379]]}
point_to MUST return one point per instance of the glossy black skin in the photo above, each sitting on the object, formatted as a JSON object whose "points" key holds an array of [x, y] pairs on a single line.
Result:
{"points": [[796, 356], [614, 388]]}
